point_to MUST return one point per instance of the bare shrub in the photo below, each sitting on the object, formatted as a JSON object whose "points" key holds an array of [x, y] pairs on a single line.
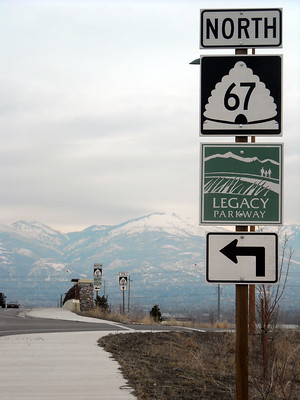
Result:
{"points": [[275, 358], [281, 379]]}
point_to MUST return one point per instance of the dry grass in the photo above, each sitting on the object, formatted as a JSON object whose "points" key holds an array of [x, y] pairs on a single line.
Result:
{"points": [[174, 365], [201, 365], [191, 324], [278, 378], [146, 319], [117, 317]]}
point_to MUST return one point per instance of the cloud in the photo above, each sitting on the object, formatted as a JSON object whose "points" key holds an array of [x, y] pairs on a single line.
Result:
{"points": [[100, 110]]}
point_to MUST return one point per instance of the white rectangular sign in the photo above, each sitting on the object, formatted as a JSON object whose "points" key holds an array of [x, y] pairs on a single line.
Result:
{"points": [[97, 276], [123, 280], [240, 28], [242, 257], [98, 270]]}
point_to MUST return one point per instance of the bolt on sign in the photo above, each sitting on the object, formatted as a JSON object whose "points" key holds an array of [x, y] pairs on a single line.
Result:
{"points": [[241, 184], [240, 95], [241, 28]]}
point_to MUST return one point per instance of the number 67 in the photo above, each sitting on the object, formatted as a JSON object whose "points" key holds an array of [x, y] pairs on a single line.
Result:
{"points": [[236, 101]]}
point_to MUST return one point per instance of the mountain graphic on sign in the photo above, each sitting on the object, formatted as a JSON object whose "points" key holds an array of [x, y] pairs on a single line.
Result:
{"points": [[231, 173], [231, 155], [240, 99]]}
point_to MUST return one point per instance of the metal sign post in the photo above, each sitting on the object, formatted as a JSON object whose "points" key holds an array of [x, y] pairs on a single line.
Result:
{"points": [[123, 280], [241, 320], [97, 277]]}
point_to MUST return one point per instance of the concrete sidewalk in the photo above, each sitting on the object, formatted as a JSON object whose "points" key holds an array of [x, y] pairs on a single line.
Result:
{"points": [[65, 314], [60, 366]]}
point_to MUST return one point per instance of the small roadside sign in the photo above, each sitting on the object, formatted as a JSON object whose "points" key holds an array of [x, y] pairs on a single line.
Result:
{"points": [[98, 270], [97, 276], [97, 284], [123, 279], [240, 28], [240, 95], [241, 184], [242, 258]]}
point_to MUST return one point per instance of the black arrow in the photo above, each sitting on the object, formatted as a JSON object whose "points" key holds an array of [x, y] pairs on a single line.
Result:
{"points": [[231, 251]]}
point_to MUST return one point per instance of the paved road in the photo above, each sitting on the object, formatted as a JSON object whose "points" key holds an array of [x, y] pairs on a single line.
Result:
{"points": [[17, 322]]}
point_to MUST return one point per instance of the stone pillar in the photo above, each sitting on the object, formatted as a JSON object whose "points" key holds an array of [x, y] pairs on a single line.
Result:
{"points": [[86, 296]]}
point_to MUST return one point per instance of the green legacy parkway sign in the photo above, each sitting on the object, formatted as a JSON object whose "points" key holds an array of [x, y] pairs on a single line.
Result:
{"points": [[241, 184]]}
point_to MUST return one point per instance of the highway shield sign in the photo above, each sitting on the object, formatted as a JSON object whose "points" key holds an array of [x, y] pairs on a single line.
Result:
{"points": [[240, 95], [97, 276]]}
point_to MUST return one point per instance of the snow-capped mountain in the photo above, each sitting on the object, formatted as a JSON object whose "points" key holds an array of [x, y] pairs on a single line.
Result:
{"points": [[161, 223], [39, 232], [164, 255]]}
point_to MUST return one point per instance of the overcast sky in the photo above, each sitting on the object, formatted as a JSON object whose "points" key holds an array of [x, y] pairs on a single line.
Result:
{"points": [[100, 109]]}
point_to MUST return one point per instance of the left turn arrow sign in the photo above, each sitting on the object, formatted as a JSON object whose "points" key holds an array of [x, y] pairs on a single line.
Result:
{"points": [[232, 251]]}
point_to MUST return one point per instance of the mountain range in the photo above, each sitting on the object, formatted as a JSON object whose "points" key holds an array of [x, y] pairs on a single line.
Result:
{"points": [[163, 254]]}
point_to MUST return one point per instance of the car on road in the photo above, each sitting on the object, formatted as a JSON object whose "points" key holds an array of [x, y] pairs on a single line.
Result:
{"points": [[13, 304], [2, 300]]}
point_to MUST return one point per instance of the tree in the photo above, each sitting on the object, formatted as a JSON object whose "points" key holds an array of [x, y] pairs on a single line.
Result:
{"points": [[102, 303], [155, 313]]}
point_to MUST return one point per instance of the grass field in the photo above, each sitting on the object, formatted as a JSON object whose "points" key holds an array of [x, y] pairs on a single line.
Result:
{"points": [[198, 365], [201, 365]]}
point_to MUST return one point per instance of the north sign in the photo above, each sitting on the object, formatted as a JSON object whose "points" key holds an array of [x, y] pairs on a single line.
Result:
{"points": [[241, 184], [240, 95], [242, 258], [241, 28]]}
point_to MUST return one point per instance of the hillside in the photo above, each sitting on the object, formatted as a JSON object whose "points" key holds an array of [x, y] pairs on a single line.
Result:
{"points": [[163, 254]]}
